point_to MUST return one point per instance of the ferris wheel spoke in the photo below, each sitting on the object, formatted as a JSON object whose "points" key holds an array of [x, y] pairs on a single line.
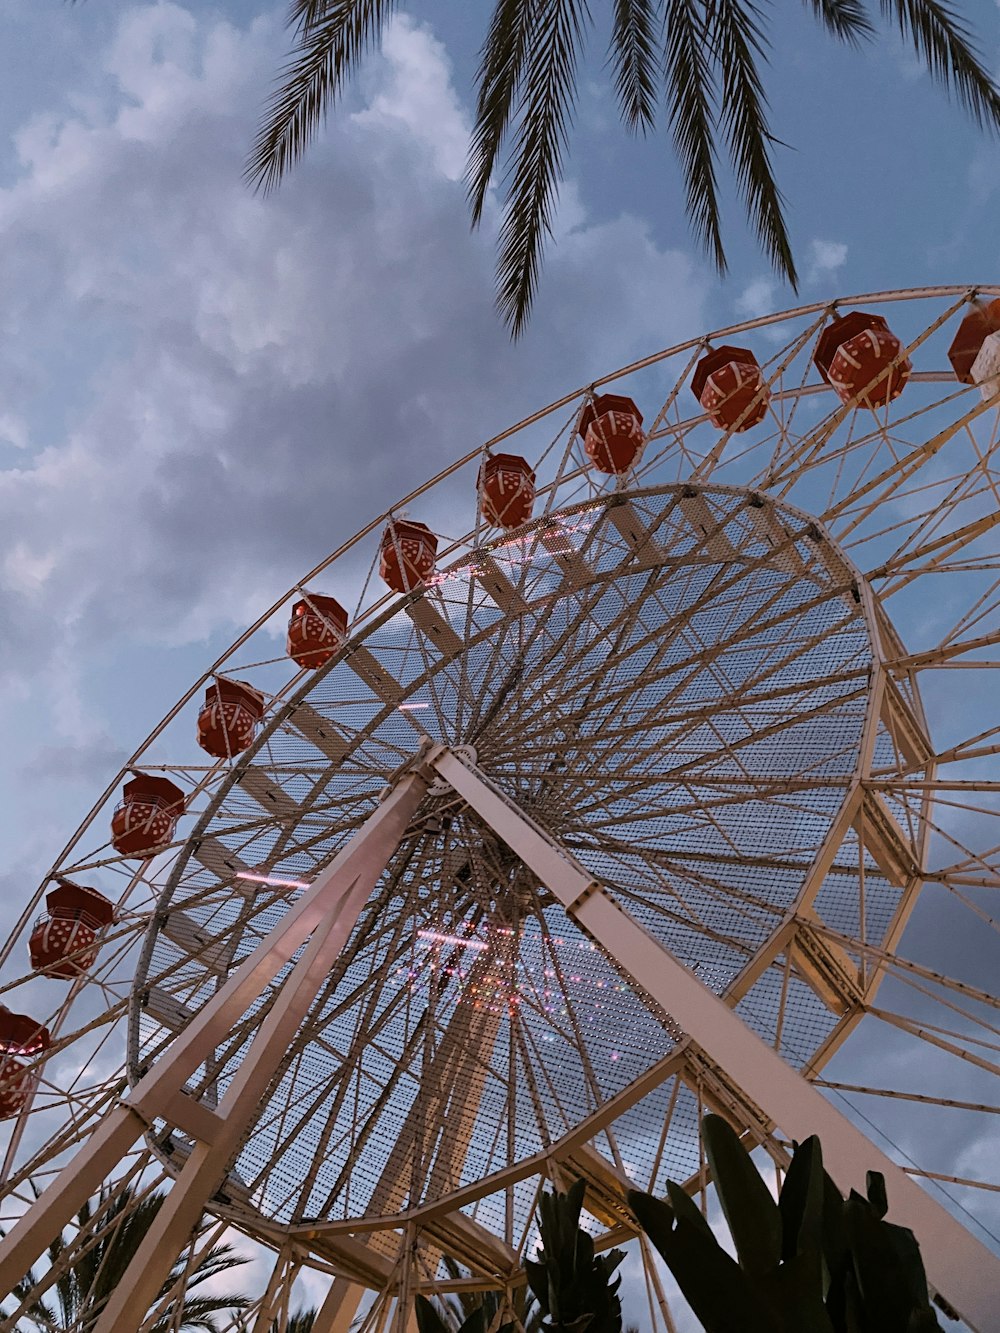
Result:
{"points": [[951, 1103], [724, 890], [935, 556], [694, 716], [932, 1037]]}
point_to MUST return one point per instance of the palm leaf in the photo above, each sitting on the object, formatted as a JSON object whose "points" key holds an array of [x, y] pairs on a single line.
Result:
{"points": [[691, 96], [946, 45], [334, 36], [501, 66], [846, 19], [738, 44], [545, 113], [638, 27]]}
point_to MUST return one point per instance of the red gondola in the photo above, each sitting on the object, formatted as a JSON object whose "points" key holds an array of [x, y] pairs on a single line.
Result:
{"points": [[19, 1036], [611, 427], [63, 942], [506, 490], [316, 629], [728, 383], [409, 554], [228, 719], [144, 823], [853, 351], [975, 328]]}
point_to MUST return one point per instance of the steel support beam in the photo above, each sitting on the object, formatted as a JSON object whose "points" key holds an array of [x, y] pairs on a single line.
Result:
{"points": [[963, 1270], [324, 915], [340, 1307]]}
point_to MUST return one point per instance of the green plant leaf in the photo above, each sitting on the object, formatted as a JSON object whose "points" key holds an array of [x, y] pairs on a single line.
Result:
{"points": [[636, 62], [686, 1208], [428, 1318], [801, 1208], [796, 1290], [714, 1285], [888, 1267], [475, 1322], [875, 1188], [538, 1281], [836, 1251], [655, 1216], [751, 1213]]}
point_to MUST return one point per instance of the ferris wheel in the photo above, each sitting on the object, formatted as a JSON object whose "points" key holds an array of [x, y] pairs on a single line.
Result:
{"points": [[495, 855]]}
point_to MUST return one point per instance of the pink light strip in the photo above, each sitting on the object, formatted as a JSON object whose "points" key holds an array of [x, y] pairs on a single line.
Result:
{"points": [[271, 879], [406, 708], [438, 938]]}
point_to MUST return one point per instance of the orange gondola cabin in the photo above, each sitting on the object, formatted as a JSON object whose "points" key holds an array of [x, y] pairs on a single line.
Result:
{"points": [[64, 942], [506, 490], [975, 328], [730, 386], [20, 1036], [317, 629], [229, 716], [611, 427], [852, 354], [409, 555], [144, 823]]}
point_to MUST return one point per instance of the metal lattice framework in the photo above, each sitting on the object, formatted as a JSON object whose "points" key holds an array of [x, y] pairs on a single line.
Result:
{"points": [[720, 691]]}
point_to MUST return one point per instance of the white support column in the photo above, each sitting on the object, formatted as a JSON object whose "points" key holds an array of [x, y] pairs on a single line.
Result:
{"points": [[963, 1270], [340, 1307], [207, 1165], [327, 912]]}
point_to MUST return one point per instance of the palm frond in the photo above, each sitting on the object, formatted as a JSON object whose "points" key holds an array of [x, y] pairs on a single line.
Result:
{"points": [[738, 44], [219, 1259], [946, 45], [301, 1321], [691, 96], [501, 66], [635, 41], [846, 19], [200, 1313], [545, 114], [334, 36]]}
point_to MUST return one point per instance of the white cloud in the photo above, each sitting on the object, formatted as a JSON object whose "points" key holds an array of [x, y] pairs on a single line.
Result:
{"points": [[420, 99], [757, 298], [264, 374], [825, 257], [13, 431]]}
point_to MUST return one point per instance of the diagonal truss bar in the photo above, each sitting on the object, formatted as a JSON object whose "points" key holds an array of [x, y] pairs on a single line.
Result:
{"points": [[327, 914], [959, 1266]]}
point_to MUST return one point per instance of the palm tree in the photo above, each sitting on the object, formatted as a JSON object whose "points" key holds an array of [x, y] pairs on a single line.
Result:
{"points": [[82, 1290], [299, 1322], [703, 59]]}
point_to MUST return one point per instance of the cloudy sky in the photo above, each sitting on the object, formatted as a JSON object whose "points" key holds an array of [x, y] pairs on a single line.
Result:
{"points": [[202, 392]]}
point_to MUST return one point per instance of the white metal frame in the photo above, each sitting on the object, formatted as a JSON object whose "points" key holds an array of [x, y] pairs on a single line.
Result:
{"points": [[960, 1268]]}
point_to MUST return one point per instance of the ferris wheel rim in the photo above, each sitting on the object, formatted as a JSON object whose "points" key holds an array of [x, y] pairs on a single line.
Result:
{"points": [[299, 686], [635, 1089], [886, 296]]}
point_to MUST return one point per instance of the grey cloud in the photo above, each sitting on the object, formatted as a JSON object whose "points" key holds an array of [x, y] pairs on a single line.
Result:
{"points": [[269, 373]]}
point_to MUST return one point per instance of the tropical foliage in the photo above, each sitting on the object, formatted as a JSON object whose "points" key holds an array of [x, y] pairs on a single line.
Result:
{"points": [[575, 1288], [701, 63], [812, 1262], [476, 1312], [82, 1290]]}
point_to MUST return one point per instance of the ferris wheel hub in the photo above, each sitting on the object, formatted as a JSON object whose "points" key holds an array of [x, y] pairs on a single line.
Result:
{"points": [[467, 753]]}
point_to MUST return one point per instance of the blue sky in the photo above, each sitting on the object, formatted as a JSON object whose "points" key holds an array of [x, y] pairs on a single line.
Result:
{"points": [[203, 392]]}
